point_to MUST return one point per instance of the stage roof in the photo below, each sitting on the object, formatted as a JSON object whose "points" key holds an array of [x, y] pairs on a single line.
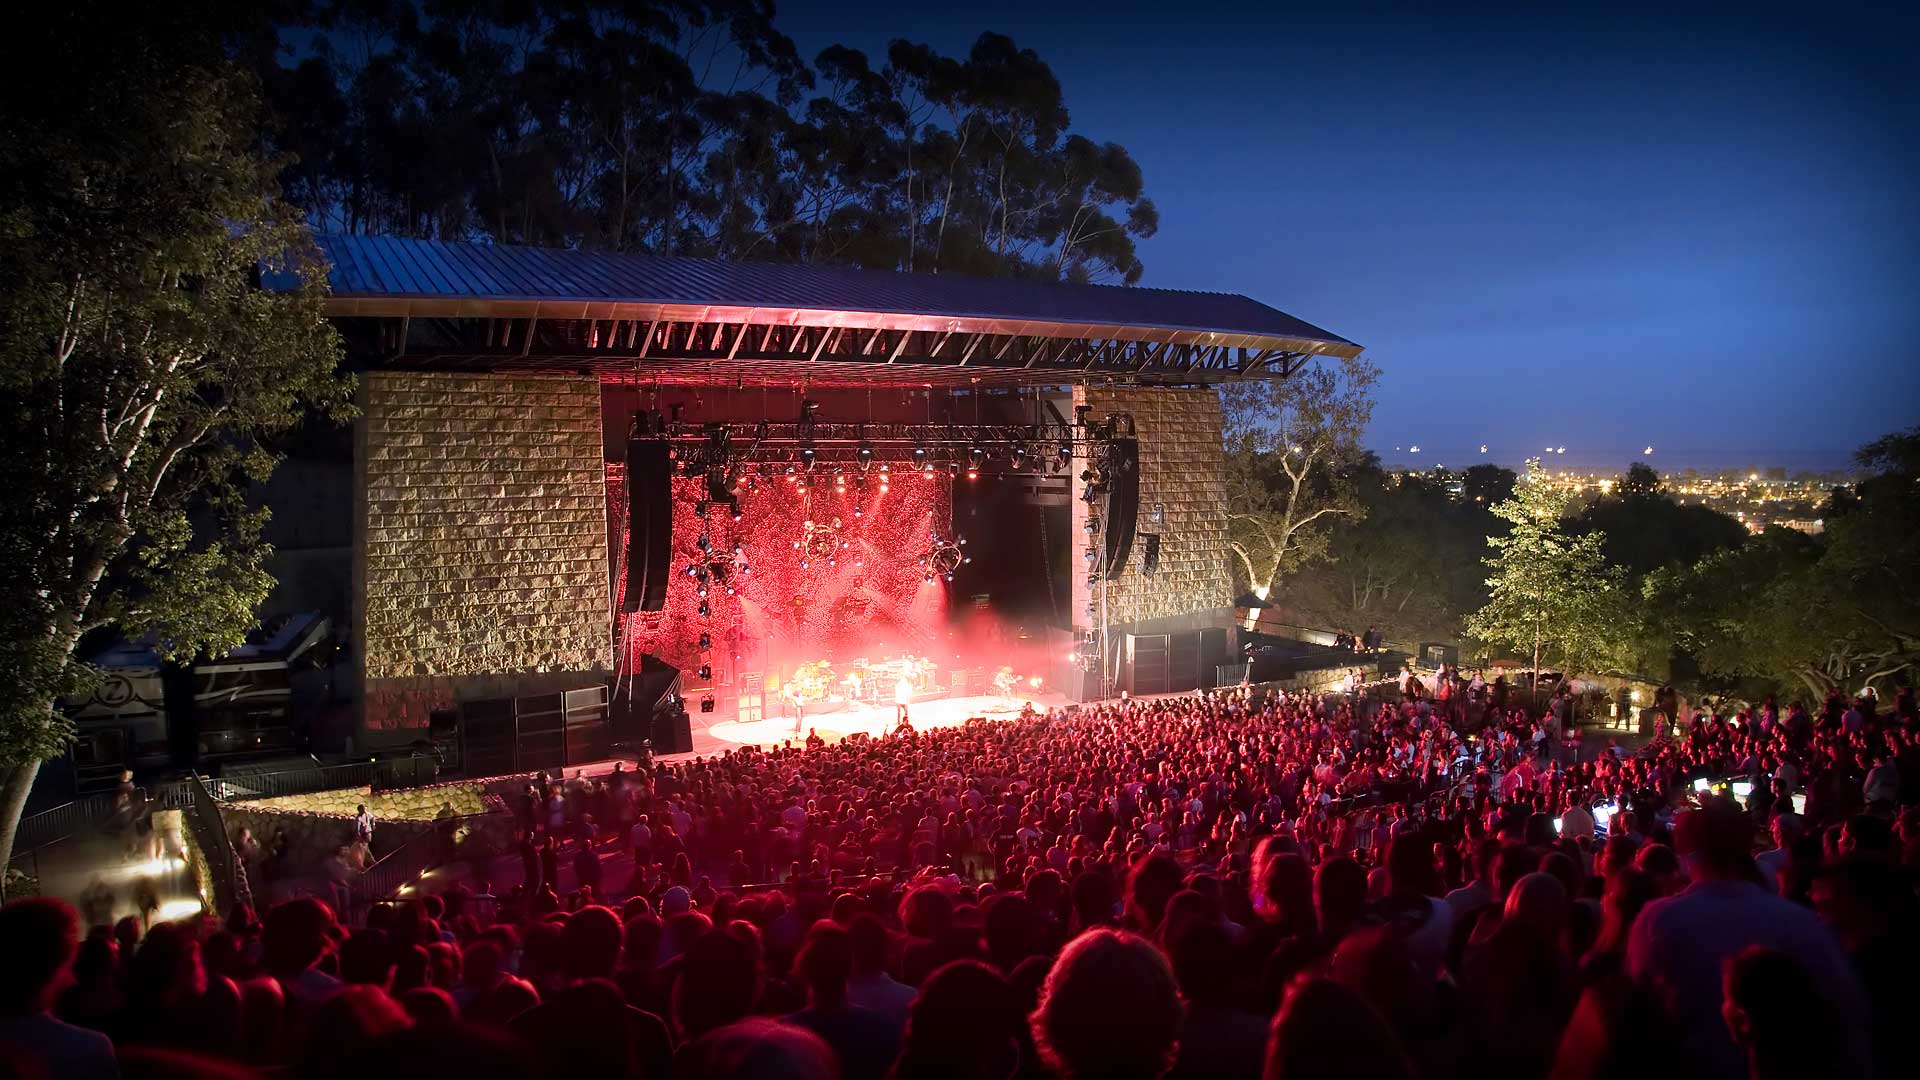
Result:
{"points": [[475, 306]]}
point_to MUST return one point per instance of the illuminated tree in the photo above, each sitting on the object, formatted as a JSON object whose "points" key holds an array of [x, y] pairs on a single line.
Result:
{"points": [[1292, 446], [141, 361], [1550, 591]]}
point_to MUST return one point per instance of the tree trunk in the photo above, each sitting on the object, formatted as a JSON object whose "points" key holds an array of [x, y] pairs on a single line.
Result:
{"points": [[13, 801], [1536, 663]]}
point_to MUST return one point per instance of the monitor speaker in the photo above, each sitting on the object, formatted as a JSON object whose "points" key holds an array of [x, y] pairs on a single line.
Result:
{"points": [[1123, 502], [649, 524], [672, 731]]}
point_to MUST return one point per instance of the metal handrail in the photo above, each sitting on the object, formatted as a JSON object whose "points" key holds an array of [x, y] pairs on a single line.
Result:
{"points": [[404, 864], [210, 836]]}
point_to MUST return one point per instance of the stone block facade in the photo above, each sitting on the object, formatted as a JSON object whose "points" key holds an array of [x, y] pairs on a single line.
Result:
{"points": [[1183, 484], [480, 559]]}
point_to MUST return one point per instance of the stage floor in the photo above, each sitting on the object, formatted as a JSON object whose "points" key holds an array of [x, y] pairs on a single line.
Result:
{"points": [[869, 720]]}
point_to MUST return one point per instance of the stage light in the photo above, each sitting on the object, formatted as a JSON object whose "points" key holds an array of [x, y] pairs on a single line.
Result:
{"points": [[705, 543], [949, 576], [806, 456], [701, 592], [865, 454], [803, 564], [883, 487], [1019, 457], [796, 545], [789, 468], [976, 457], [704, 609], [919, 454], [973, 474], [706, 704], [706, 671], [706, 640], [692, 570], [700, 509], [961, 540]]}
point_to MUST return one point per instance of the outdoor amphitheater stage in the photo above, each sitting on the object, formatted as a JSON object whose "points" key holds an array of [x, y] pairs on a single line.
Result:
{"points": [[870, 720]]}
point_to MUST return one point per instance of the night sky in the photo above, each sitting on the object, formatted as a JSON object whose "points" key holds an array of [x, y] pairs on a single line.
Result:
{"points": [[1696, 233]]}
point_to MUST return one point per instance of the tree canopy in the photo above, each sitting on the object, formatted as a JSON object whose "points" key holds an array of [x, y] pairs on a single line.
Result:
{"points": [[1293, 449], [144, 369], [694, 127], [1552, 593], [1409, 565], [1839, 611]]}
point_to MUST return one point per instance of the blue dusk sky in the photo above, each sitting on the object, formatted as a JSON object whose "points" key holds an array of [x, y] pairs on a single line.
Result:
{"points": [[1603, 231]]}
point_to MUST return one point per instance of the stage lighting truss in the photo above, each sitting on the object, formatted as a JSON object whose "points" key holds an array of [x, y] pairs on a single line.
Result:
{"points": [[795, 448]]}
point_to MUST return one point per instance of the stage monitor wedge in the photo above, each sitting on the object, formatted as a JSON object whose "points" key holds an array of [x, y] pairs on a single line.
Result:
{"points": [[649, 524], [1123, 502]]}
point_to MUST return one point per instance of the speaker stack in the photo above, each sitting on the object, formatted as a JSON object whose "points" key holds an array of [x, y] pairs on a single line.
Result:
{"points": [[649, 515], [1122, 475]]}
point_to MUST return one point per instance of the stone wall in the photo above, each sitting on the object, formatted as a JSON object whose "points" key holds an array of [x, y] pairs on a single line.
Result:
{"points": [[412, 804], [1183, 482], [480, 561]]}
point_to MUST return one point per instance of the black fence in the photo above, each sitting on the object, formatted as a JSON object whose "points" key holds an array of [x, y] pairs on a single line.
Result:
{"points": [[227, 880], [386, 774], [420, 853]]}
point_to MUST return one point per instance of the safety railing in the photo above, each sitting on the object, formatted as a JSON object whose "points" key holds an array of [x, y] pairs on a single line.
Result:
{"points": [[416, 855], [227, 878], [57, 823], [382, 775], [54, 824]]}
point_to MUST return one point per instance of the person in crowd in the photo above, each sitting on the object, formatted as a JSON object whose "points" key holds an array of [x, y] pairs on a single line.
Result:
{"points": [[1326, 1029], [1110, 1008], [1680, 945], [963, 1026], [587, 1027], [38, 939], [863, 1041]]}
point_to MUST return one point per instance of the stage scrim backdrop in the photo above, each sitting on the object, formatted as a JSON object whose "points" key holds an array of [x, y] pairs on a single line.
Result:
{"points": [[793, 604]]}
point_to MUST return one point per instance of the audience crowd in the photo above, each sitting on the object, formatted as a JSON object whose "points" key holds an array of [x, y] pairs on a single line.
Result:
{"points": [[1423, 882]]}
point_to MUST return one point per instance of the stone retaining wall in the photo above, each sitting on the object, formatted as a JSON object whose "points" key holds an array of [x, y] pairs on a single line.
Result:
{"points": [[414, 804], [480, 556]]}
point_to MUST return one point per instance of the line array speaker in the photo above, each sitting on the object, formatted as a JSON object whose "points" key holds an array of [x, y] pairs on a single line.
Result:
{"points": [[649, 524], [1123, 502]]}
